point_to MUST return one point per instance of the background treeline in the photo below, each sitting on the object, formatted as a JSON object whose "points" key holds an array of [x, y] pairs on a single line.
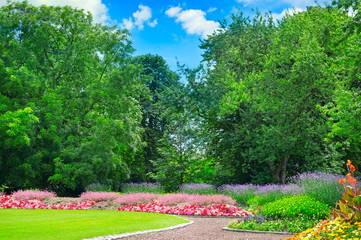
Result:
{"points": [[270, 100]]}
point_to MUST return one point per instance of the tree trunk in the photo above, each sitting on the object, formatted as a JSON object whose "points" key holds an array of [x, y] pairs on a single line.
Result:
{"points": [[279, 172], [284, 168], [275, 171]]}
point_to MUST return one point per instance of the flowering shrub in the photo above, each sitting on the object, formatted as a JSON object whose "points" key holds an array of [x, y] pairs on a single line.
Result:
{"points": [[322, 186], [336, 228], [258, 195], [241, 193], [271, 192], [142, 188], [211, 210], [8, 201], [173, 199], [97, 187], [32, 194], [136, 198], [99, 196], [346, 221], [179, 198], [297, 205], [349, 207], [198, 188]]}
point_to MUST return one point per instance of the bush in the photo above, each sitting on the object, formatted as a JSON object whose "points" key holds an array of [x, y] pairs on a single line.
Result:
{"points": [[331, 229], [296, 206], [136, 198], [33, 194], [269, 193], [322, 186], [240, 193], [173, 199], [97, 187], [198, 200], [198, 188], [99, 196], [262, 223], [142, 188]]}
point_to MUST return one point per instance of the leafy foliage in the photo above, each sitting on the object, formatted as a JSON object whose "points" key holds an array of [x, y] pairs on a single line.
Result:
{"points": [[294, 206], [69, 114], [142, 188], [349, 207], [261, 223]]}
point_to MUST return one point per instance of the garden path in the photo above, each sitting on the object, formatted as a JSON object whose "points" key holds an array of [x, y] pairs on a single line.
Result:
{"points": [[206, 229]]}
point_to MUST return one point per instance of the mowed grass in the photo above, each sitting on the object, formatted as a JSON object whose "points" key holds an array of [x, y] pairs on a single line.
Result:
{"points": [[77, 224]]}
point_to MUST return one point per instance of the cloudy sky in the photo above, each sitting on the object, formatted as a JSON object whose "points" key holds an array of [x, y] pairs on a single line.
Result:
{"points": [[171, 28]]}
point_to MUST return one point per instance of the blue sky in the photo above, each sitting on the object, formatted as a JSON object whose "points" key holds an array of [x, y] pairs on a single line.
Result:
{"points": [[173, 29]]}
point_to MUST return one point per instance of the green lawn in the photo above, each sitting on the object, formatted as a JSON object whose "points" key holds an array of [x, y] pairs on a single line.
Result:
{"points": [[77, 224]]}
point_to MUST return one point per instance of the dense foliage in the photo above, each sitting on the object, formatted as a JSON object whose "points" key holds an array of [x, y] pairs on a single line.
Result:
{"points": [[69, 114], [279, 98], [270, 100], [296, 206]]}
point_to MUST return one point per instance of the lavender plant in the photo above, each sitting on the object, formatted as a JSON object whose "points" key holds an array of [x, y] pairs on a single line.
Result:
{"points": [[271, 192], [198, 188], [322, 186], [241, 193], [144, 187]]}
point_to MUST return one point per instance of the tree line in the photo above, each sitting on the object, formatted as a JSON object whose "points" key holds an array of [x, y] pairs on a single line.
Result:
{"points": [[270, 99]]}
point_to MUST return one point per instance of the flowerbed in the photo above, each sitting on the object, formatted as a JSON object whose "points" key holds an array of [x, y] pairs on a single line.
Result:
{"points": [[173, 199], [99, 196], [8, 201], [223, 210], [331, 229], [219, 209], [32, 194]]}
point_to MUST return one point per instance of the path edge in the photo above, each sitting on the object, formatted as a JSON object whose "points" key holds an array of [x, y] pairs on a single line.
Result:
{"points": [[124, 235], [252, 231]]}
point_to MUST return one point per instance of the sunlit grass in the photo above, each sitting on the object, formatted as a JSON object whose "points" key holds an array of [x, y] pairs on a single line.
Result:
{"points": [[75, 224]]}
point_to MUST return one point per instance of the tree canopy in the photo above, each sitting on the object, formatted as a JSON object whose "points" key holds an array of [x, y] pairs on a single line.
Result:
{"points": [[271, 99]]}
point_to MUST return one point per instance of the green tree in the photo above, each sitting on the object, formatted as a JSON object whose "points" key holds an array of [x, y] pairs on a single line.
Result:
{"points": [[344, 111], [264, 91], [78, 78], [158, 78], [177, 147]]}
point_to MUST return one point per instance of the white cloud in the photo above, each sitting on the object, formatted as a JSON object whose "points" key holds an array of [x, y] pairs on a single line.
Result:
{"points": [[212, 9], [193, 21], [173, 11], [128, 23], [98, 9], [301, 3], [153, 24], [247, 2], [292, 3], [141, 16], [292, 11]]}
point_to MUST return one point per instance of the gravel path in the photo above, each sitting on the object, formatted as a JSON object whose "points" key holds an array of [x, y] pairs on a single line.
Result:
{"points": [[207, 229]]}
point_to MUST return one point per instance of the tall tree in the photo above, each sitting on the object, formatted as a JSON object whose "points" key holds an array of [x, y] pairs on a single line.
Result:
{"points": [[266, 88], [77, 78], [159, 79]]}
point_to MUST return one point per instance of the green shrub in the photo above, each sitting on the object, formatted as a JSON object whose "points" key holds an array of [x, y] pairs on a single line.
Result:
{"points": [[198, 188], [296, 206], [240, 193], [97, 187], [144, 187], [322, 186], [260, 200], [258, 223]]}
